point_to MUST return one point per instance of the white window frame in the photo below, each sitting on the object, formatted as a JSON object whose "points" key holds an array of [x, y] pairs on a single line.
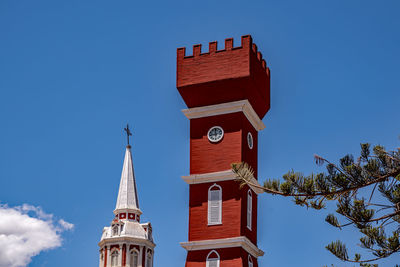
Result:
{"points": [[250, 261], [220, 138], [149, 253], [111, 257], [249, 209], [250, 140], [219, 204], [208, 257], [138, 255]]}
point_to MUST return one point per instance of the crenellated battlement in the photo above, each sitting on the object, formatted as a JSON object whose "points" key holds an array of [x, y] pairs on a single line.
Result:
{"points": [[246, 44], [224, 75]]}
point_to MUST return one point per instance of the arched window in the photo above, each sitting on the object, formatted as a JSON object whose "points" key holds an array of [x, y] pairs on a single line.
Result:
{"points": [[134, 258], [250, 261], [149, 260], [212, 259], [215, 204], [114, 258], [249, 208]]}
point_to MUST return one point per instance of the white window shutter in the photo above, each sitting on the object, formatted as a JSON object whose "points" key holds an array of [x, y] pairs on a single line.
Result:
{"points": [[134, 259], [214, 205], [250, 264], [249, 209], [213, 263], [212, 259]]}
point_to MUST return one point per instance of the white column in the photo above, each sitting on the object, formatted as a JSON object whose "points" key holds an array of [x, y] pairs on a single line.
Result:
{"points": [[108, 257], [128, 258], [140, 263], [101, 264], [120, 255]]}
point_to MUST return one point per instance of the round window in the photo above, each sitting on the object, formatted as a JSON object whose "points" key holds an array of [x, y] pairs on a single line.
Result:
{"points": [[250, 140], [215, 134]]}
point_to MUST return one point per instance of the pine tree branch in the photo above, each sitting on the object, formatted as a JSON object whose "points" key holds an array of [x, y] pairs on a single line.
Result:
{"points": [[374, 259], [342, 183], [338, 192]]}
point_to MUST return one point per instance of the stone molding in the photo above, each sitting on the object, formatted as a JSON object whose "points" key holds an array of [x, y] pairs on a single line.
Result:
{"points": [[226, 108], [218, 177], [240, 241]]}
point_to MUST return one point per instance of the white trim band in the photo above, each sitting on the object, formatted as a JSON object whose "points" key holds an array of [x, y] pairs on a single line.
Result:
{"points": [[218, 177], [226, 108], [240, 241], [126, 239]]}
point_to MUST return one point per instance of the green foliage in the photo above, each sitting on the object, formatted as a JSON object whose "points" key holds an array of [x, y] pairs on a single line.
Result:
{"points": [[339, 250], [375, 173]]}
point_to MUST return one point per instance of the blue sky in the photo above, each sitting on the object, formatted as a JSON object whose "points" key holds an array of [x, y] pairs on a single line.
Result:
{"points": [[73, 73]]}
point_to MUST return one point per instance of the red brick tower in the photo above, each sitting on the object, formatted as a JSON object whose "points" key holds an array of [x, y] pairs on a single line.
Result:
{"points": [[227, 93]]}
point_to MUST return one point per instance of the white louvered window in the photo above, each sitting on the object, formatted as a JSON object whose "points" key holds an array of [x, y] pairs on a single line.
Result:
{"points": [[249, 208], [114, 258], [215, 205], [212, 259], [250, 261], [134, 258], [149, 261]]}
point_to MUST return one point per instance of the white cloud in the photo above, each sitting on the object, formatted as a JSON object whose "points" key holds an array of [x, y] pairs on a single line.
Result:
{"points": [[25, 231], [66, 225]]}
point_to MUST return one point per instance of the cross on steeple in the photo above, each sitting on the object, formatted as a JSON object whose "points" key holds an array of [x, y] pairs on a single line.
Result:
{"points": [[128, 132]]}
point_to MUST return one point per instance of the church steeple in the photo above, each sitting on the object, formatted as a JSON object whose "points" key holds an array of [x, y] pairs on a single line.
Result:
{"points": [[127, 201], [127, 242]]}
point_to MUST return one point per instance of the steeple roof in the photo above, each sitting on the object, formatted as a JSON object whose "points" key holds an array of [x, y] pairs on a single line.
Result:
{"points": [[127, 196]]}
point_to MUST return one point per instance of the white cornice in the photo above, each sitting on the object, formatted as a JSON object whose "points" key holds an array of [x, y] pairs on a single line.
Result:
{"points": [[240, 241], [226, 108], [126, 239], [218, 177], [209, 177], [136, 211]]}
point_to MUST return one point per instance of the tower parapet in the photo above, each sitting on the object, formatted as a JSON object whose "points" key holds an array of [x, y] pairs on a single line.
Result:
{"points": [[220, 76]]}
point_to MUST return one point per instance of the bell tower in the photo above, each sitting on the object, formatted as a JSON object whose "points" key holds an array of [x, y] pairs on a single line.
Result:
{"points": [[227, 93]]}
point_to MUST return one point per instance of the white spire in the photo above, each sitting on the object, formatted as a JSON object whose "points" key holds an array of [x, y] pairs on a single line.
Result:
{"points": [[127, 196]]}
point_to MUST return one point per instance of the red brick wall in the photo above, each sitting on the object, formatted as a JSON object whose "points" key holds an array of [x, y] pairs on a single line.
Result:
{"points": [[198, 212], [245, 259], [249, 155], [220, 76], [210, 157], [206, 156], [234, 213], [215, 66], [244, 231], [229, 257]]}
